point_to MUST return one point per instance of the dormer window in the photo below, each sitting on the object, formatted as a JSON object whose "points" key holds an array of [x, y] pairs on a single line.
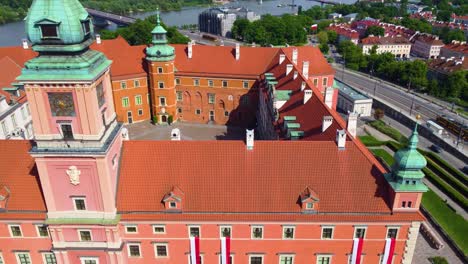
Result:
{"points": [[86, 27], [172, 205], [49, 31], [309, 200], [173, 199]]}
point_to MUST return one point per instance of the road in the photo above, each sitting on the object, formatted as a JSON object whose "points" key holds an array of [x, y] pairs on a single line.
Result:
{"points": [[197, 37]]}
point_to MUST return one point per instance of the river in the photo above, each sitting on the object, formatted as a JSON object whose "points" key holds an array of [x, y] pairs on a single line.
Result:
{"points": [[11, 34]]}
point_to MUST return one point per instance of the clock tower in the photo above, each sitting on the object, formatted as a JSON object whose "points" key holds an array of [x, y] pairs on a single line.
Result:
{"points": [[77, 138]]}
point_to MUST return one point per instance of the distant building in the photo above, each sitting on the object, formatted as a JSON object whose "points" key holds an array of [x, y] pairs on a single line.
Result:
{"points": [[219, 21], [352, 101], [460, 19], [455, 49], [350, 17], [443, 67], [345, 33], [437, 25], [398, 46], [334, 15], [426, 46]]}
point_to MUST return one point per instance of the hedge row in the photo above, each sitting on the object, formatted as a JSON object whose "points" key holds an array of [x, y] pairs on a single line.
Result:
{"points": [[388, 130], [452, 181], [449, 168], [446, 188], [371, 141]]}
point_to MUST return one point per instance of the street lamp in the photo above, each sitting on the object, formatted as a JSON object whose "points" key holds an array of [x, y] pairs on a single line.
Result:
{"points": [[412, 104], [375, 87]]}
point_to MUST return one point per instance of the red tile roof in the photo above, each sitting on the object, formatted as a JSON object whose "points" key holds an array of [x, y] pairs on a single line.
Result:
{"points": [[384, 41], [429, 39], [222, 176], [448, 65], [19, 175], [457, 46], [344, 30], [318, 65]]}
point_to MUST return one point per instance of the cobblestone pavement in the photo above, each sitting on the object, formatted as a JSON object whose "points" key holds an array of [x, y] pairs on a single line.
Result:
{"points": [[189, 131]]}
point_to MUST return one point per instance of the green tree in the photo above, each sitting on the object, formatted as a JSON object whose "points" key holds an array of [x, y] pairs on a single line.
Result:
{"points": [[239, 27], [457, 84], [324, 48], [444, 15], [375, 30], [332, 36], [456, 34], [414, 74], [322, 37], [352, 55]]}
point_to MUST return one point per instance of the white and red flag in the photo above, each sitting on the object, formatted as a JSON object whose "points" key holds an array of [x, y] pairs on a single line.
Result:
{"points": [[225, 250], [357, 250], [195, 250], [314, 27], [389, 250]]}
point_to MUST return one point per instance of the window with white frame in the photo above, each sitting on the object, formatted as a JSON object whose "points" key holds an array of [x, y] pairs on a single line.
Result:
{"points": [[161, 85], [160, 70], [257, 232], [288, 232], [315, 82], [161, 250], [392, 232], [231, 259], [89, 260], [23, 258], [140, 112], [15, 231], [172, 205], [162, 101], [225, 84], [138, 100], [360, 232], [196, 82], [177, 81], [123, 85], [210, 83], [225, 231], [226, 113], [197, 111], [42, 231], [324, 81], [134, 250], [125, 102], [180, 96], [286, 259], [211, 98], [85, 235], [324, 259], [49, 258], [159, 229], [194, 231], [257, 259], [245, 84], [131, 229], [79, 203], [136, 83], [327, 232]]}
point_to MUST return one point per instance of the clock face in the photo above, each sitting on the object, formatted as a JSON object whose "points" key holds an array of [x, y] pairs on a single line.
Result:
{"points": [[61, 104]]}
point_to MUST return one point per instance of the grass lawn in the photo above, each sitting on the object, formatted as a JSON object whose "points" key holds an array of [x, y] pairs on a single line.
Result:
{"points": [[383, 154], [452, 223], [388, 130], [371, 141]]}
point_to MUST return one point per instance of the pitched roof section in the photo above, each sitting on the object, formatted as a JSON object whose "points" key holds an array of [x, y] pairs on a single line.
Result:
{"points": [[222, 176], [318, 65], [19, 175]]}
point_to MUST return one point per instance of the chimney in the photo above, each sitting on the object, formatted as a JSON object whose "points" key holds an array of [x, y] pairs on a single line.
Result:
{"points": [[326, 122], [303, 85], [250, 139], [281, 58], [305, 69], [125, 135], [329, 96], [307, 95], [98, 39], [175, 134], [25, 44], [189, 49], [237, 51], [352, 123], [294, 56], [295, 75], [341, 139], [289, 68], [254, 45]]}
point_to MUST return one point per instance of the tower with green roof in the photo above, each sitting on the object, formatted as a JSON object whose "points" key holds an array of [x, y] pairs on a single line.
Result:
{"points": [[160, 58], [77, 138], [406, 176]]}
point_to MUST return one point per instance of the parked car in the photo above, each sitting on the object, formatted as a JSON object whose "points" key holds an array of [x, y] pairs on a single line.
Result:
{"points": [[436, 148]]}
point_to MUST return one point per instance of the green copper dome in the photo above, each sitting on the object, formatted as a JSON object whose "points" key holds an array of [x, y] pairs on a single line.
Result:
{"points": [[58, 25], [160, 51], [409, 158]]}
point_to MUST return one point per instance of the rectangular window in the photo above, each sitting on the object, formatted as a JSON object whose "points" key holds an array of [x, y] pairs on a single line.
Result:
{"points": [[197, 111], [360, 232], [159, 229], [256, 260], [80, 204], [179, 110], [140, 112], [61, 104], [162, 101], [309, 206], [323, 259], [85, 235], [226, 113], [138, 100], [225, 84], [49, 258], [134, 250], [288, 232], [196, 82], [257, 232], [177, 81], [13, 120], [100, 94], [23, 258], [327, 232], [131, 229], [210, 83], [410, 204], [161, 250], [23, 113], [315, 82], [172, 205], [125, 102], [67, 131], [392, 232], [225, 231], [4, 128], [180, 97], [136, 83], [161, 85], [49, 31], [403, 204], [245, 84], [89, 260], [231, 259], [211, 98], [194, 231], [123, 85], [86, 27], [286, 259], [160, 70], [42, 230], [324, 81], [15, 231], [244, 100]]}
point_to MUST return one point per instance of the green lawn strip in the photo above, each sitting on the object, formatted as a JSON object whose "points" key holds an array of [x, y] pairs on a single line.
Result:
{"points": [[449, 168], [448, 178], [394, 146], [388, 130], [453, 224], [446, 188], [371, 141], [384, 155]]}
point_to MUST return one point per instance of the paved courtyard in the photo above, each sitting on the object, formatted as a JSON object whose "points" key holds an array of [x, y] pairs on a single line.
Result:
{"points": [[189, 131]]}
